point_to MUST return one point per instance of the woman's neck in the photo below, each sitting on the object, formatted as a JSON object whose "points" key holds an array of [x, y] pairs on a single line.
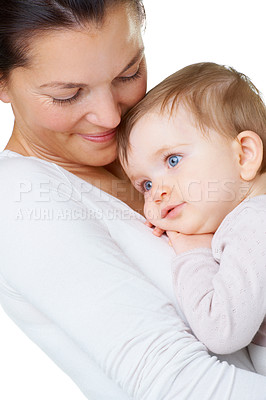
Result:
{"points": [[111, 178]]}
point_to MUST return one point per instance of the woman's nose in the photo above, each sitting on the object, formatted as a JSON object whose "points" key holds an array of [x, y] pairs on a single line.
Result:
{"points": [[105, 110]]}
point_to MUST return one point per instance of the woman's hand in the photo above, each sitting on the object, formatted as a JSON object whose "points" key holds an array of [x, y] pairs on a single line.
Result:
{"points": [[182, 243]]}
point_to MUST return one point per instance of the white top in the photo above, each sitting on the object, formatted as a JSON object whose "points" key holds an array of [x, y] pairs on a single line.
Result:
{"points": [[78, 275], [222, 290]]}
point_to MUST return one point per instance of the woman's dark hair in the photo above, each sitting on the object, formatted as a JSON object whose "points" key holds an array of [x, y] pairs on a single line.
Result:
{"points": [[20, 20]]}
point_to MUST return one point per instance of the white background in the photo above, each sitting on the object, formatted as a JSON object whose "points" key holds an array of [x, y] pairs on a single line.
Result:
{"points": [[179, 32]]}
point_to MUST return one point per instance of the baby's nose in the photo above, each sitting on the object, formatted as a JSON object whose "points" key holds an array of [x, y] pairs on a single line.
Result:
{"points": [[160, 194]]}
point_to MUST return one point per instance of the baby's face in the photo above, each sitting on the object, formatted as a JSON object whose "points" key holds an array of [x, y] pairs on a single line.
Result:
{"points": [[190, 181]]}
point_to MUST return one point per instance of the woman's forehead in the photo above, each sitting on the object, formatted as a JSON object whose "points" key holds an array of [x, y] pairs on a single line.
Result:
{"points": [[94, 52]]}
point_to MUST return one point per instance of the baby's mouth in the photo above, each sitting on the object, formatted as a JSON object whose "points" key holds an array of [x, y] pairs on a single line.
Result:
{"points": [[171, 210]]}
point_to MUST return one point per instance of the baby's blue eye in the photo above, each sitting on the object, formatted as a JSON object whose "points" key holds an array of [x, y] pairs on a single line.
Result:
{"points": [[174, 160], [147, 185]]}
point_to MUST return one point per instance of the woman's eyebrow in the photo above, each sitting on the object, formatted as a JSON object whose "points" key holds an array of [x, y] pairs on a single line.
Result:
{"points": [[64, 85], [73, 85]]}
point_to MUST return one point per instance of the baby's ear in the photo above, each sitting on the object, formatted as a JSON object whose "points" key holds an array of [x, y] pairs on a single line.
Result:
{"points": [[250, 152]]}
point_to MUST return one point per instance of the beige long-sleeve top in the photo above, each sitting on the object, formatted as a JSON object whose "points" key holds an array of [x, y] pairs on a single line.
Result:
{"points": [[222, 290]]}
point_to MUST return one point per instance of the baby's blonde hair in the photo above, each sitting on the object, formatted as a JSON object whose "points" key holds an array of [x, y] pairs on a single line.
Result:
{"points": [[219, 97]]}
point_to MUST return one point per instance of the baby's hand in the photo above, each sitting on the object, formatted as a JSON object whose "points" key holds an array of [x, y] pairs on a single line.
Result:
{"points": [[156, 231], [182, 243]]}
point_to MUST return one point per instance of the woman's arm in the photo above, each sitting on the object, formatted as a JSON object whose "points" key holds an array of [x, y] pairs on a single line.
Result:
{"points": [[75, 276]]}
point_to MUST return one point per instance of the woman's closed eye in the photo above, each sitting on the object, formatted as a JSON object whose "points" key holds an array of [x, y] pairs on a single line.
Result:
{"points": [[68, 100], [135, 75]]}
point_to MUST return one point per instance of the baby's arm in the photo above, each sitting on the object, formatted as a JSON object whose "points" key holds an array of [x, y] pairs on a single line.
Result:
{"points": [[225, 302], [182, 243]]}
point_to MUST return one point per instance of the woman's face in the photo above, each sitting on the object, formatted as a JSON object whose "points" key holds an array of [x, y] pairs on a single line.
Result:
{"points": [[69, 100]]}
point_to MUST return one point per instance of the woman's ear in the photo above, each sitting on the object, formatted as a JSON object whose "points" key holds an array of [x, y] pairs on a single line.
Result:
{"points": [[250, 151], [4, 96]]}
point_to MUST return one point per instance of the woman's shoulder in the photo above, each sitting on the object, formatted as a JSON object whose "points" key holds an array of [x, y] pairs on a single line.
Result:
{"points": [[33, 172], [14, 166], [31, 178], [41, 179]]}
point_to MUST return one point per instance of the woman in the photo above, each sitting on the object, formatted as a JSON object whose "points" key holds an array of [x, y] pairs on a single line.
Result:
{"points": [[70, 277]]}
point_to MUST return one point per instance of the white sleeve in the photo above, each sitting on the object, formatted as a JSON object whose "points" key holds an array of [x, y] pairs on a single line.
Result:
{"points": [[74, 274]]}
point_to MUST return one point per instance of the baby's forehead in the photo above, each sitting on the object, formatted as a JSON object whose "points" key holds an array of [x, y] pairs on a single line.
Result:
{"points": [[146, 120], [146, 128], [141, 159], [136, 163], [134, 160]]}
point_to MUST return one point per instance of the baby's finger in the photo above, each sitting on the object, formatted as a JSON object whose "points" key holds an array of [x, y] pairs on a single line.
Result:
{"points": [[158, 231], [148, 224]]}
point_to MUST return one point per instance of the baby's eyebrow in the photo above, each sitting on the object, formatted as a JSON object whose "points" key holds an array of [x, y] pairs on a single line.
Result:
{"points": [[167, 149]]}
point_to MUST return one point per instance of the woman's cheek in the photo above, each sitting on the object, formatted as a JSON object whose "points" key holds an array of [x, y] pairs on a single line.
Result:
{"points": [[140, 91], [131, 97], [57, 121]]}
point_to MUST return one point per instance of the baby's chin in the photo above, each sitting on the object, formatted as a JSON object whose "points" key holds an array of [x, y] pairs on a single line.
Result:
{"points": [[185, 230]]}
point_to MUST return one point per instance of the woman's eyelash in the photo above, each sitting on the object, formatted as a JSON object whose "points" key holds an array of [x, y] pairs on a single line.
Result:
{"points": [[137, 75], [67, 101], [72, 99]]}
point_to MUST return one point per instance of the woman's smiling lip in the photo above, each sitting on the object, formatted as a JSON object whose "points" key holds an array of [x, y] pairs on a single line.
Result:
{"points": [[172, 211], [101, 137]]}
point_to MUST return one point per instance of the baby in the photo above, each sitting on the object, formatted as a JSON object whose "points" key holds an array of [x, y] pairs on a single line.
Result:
{"points": [[194, 146]]}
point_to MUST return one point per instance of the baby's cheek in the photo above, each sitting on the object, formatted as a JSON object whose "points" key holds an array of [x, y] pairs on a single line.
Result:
{"points": [[146, 210], [149, 211], [152, 213]]}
